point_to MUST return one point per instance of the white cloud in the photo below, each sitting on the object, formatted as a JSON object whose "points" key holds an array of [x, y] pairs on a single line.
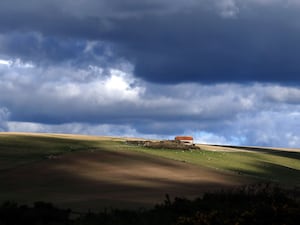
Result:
{"points": [[275, 128], [233, 8], [5, 62], [17, 63], [73, 128], [95, 100], [4, 116], [283, 94], [119, 85], [84, 128], [204, 137], [113, 87], [20, 64], [62, 84], [228, 8]]}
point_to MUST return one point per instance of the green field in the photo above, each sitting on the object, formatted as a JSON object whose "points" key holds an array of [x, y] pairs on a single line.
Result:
{"points": [[17, 150], [74, 170], [272, 165]]}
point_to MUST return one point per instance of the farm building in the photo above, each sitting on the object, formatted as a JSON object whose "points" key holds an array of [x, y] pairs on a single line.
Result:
{"points": [[188, 140]]}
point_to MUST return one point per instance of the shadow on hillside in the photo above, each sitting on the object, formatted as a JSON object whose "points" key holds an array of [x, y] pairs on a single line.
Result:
{"points": [[20, 150], [282, 153], [272, 172], [104, 178]]}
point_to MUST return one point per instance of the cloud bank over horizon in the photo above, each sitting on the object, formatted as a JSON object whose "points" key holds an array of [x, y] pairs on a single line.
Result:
{"points": [[226, 72], [115, 102]]}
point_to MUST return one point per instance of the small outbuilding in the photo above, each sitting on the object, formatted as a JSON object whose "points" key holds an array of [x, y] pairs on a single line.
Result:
{"points": [[188, 140]]}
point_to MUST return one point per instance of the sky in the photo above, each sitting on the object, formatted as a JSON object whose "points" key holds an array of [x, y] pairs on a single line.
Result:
{"points": [[223, 71]]}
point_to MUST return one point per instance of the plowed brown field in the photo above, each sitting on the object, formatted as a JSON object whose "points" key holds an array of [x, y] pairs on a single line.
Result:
{"points": [[97, 179]]}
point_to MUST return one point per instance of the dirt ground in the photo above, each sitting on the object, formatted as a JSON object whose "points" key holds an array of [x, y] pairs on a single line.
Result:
{"points": [[98, 179]]}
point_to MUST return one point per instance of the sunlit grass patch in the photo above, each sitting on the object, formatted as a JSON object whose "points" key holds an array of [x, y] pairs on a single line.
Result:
{"points": [[17, 150], [275, 166]]}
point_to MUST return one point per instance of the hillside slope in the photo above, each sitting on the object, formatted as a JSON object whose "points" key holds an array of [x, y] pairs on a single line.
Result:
{"points": [[84, 172]]}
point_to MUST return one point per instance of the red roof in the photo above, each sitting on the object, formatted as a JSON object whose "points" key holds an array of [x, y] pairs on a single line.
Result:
{"points": [[184, 138]]}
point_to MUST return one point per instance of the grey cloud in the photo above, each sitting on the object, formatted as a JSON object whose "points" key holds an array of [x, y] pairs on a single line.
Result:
{"points": [[152, 68], [279, 94], [118, 100], [166, 41], [50, 50], [281, 128], [98, 96], [4, 115], [74, 128]]}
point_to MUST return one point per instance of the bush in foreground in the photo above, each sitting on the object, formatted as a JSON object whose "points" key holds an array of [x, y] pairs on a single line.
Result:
{"points": [[256, 204]]}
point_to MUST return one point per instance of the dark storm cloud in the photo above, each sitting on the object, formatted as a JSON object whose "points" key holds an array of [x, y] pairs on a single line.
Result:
{"points": [[36, 48], [168, 41], [209, 48], [153, 68]]}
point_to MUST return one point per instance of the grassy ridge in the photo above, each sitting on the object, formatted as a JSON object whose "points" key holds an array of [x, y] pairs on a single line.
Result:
{"points": [[276, 166], [20, 149], [16, 150], [98, 172]]}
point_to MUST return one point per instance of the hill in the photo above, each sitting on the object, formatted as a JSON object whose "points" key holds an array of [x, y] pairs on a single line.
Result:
{"points": [[93, 172]]}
